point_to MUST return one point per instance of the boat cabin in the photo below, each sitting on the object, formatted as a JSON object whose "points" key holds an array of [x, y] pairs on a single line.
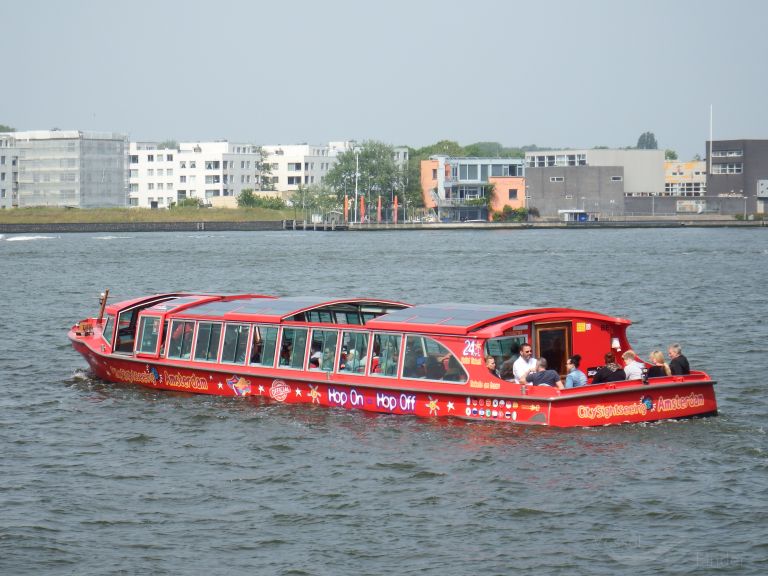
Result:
{"points": [[353, 337]]}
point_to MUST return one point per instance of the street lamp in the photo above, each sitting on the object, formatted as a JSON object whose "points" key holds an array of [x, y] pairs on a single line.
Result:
{"points": [[357, 175]]}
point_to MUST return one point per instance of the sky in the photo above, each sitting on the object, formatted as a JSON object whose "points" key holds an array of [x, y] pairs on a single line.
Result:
{"points": [[561, 73]]}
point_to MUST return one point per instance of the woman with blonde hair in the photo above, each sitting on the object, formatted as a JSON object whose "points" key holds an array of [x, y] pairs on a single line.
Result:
{"points": [[660, 367]]}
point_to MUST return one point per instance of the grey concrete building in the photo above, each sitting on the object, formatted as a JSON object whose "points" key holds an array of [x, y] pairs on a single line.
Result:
{"points": [[737, 175], [597, 182], [71, 168]]}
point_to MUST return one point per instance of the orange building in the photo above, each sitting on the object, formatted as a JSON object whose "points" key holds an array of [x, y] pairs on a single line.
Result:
{"points": [[457, 187]]}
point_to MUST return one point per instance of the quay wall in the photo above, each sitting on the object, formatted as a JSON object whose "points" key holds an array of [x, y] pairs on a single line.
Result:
{"points": [[274, 225]]}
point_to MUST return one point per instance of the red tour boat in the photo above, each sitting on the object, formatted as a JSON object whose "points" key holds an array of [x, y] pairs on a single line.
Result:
{"points": [[378, 355]]}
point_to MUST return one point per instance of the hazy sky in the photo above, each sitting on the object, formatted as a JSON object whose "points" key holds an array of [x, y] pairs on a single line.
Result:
{"points": [[561, 73]]}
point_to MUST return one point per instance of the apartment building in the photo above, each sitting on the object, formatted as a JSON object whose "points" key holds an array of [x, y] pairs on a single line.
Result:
{"points": [[213, 172], [295, 165], [9, 172], [68, 168], [457, 187]]}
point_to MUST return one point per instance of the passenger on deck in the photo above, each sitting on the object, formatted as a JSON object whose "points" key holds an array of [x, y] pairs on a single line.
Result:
{"points": [[524, 363], [541, 376], [490, 363], [454, 372], [632, 368], [575, 377], [678, 363], [611, 372], [352, 363], [660, 368], [316, 357]]}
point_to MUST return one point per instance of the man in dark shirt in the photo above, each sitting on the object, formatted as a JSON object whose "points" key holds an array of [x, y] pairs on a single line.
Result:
{"points": [[678, 363], [543, 377]]}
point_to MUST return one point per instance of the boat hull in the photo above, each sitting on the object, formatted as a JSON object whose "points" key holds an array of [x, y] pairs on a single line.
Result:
{"points": [[538, 406]]}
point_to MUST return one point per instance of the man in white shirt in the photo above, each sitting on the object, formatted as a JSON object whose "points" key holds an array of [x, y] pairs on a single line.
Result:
{"points": [[632, 368], [521, 366]]}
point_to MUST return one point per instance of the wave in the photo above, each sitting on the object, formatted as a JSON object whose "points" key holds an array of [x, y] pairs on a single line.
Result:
{"points": [[27, 238], [112, 237]]}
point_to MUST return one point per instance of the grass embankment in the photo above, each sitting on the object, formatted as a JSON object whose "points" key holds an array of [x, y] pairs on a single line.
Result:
{"points": [[102, 215]]}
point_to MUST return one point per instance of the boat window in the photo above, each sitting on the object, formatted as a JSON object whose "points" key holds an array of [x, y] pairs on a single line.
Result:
{"points": [[235, 343], [386, 352], [109, 327], [504, 348], [347, 318], [354, 352], [320, 316], [207, 342], [149, 331], [293, 347], [126, 328], [263, 346], [427, 358], [323, 350], [181, 339]]}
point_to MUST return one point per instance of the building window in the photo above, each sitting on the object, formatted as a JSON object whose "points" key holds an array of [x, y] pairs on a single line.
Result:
{"points": [[150, 172], [293, 180], [726, 153], [183, 164], [169, 157], [557, 178], [151, 158], [294, 166], [731, 168], [134, 159], [513, 193], [617, 178]]}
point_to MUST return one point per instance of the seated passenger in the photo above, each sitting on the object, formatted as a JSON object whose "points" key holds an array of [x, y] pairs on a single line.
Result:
{"points": [[660, 368], [434, 368], [541, 376], [490, 363], [315, 358], [678, 363], [575, 377], [454, 372], [632, 368], [611, 372]]}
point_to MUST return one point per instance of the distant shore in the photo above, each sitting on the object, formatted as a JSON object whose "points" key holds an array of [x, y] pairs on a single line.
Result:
{"points": [[275, 225]]}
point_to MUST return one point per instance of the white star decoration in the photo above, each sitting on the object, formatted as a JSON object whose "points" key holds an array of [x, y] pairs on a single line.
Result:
{"points": [[450, 406], [221, 385], [261, 389], [298, 392]]}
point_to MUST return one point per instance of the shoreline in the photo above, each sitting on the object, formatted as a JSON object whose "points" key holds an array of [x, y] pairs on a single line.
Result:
{"points": [[279, 225]]}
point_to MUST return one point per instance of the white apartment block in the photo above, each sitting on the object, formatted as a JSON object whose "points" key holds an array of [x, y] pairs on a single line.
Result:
{"points": [[65, 168], [304, 164], [203, 170], [301, 164], [9, 171]]}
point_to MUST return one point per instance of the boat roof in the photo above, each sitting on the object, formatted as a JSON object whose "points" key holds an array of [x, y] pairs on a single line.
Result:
{"points": [[482, 320]]}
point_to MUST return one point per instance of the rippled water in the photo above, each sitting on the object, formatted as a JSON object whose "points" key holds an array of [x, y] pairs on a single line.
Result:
{"points": [[97, 478]]}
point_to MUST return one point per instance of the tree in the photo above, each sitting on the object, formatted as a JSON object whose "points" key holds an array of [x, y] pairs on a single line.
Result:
{"points": [[264, 168], [246, 199], [378, 175], [647, 141], [168, 145], [670, 154], [4, 128]]}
